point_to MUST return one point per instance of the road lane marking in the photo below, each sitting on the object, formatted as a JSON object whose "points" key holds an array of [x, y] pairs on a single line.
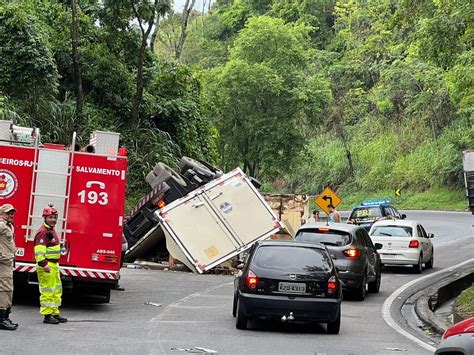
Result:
{"points": [[198, 307], [185, 321], [187, 298], [388, 304], [454, 241]]}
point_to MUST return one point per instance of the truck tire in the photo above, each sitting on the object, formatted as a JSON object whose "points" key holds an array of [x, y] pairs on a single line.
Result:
{"points": [[162, 173], [189, 163], [150, 177]]}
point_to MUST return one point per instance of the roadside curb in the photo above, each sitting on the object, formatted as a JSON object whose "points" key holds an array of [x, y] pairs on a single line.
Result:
{"points": [[433, 297]]}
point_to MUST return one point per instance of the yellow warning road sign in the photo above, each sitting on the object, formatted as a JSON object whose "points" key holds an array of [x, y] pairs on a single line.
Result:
{"points": [[327, 197], [398, 192]]}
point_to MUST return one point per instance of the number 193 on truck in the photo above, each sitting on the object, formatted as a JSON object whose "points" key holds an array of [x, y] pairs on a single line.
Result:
{"points": [[86, 186]]}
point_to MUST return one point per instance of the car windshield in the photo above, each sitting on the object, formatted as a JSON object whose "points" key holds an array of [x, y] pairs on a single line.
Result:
{"points": [[392, 231], [361, 213], [324, 236], [292, 258]]}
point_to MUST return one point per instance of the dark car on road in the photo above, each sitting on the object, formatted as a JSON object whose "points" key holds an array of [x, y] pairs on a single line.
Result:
{"points": [[355, 256], [290, 282], [369, 212]]}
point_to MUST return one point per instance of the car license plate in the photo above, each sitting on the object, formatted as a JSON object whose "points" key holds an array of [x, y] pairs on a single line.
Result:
{"points": [[292, 287], [389, 256]]}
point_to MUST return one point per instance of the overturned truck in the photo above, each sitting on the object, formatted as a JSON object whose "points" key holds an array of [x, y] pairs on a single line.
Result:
{"points": [[200, 216]]}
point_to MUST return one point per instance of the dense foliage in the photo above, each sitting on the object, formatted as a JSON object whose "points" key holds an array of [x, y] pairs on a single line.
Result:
{"points": [[392, 90], [37, 82], [361, 95]]}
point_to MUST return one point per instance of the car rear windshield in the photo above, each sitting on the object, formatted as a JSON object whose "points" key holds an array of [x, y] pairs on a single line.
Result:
{"points": [[292, 258], [392, 231], [361, 213], [324, 236]]}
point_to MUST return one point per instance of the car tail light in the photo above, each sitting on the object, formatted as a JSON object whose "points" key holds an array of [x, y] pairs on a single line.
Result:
{"points": [[252, 280], [323, 230], [105, 258], [414, 244], [332, 285], [352, 253]]}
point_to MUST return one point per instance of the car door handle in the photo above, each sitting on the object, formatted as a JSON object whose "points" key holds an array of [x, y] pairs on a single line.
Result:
{"points": [[333, 256], [199, 204]]}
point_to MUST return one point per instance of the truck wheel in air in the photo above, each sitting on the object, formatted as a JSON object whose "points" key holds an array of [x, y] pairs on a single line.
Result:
{"points": [[164, 173], [202, 168]]}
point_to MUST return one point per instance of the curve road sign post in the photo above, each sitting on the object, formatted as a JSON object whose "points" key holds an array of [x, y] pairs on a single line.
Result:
{"points": [[326, 198]]}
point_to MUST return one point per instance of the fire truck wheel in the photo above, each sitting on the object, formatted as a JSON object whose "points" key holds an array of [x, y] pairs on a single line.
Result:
{"points": [[163, 173], [201, 168]]}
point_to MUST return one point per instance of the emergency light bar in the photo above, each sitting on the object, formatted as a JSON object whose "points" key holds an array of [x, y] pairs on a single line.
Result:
{"points": [[375, 202]]}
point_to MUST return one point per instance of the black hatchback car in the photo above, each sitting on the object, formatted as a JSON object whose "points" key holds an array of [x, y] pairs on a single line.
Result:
{"points": [[290, 282], [355, 256]]}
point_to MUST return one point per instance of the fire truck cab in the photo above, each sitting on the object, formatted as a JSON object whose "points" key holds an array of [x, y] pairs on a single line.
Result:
{"points": [[86, 186]]}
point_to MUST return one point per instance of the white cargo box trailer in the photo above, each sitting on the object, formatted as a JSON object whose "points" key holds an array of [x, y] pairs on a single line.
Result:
{"points": [[217, 221]]}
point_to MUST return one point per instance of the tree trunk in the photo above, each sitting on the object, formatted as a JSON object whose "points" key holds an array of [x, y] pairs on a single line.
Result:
{"points": [[141, 59], [77, 70], [341, 133], [184, 24], [155, 34]]}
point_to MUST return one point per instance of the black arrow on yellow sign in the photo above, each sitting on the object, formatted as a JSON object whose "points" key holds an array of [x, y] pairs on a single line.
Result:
{"points": [[398, 192], [325, 198]]}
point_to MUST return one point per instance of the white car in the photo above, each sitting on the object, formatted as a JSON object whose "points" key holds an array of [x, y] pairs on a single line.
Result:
{"points": [[404, 243]]}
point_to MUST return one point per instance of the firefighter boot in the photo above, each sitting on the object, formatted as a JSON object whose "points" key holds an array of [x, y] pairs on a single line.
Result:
{"points": [[49, 319], [4, 323], [60, 319], [7, 313]]}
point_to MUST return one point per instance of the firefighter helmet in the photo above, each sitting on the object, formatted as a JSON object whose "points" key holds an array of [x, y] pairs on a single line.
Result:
{"points": [[50, 210]]}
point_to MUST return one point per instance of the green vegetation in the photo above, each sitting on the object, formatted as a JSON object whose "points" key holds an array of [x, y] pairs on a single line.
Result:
{"points": [[465, 303], [435, 199], [364, 96]]}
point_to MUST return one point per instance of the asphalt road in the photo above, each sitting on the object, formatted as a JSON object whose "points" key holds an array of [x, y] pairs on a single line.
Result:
{"points": [[186, 312]]}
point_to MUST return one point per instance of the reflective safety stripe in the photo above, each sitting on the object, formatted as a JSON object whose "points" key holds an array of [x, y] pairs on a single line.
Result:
{"points": [[47, 289], [40, 252], [50, 304], [53, 255]]}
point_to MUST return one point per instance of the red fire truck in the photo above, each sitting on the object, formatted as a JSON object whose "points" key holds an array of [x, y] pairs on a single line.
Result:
{"points": [[88, 190]]}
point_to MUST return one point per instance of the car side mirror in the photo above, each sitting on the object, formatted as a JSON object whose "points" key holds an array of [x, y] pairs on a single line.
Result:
{"points": [[378, 246], [430, 235], [404, 216]]}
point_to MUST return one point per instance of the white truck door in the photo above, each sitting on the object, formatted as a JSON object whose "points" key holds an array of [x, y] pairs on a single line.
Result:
{"points": [[243, 209], [195, 236], [216, 222]]}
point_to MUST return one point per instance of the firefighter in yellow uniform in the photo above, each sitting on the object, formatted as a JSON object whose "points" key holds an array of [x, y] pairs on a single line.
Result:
{"points": [[7, 259], [47, 254]]}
